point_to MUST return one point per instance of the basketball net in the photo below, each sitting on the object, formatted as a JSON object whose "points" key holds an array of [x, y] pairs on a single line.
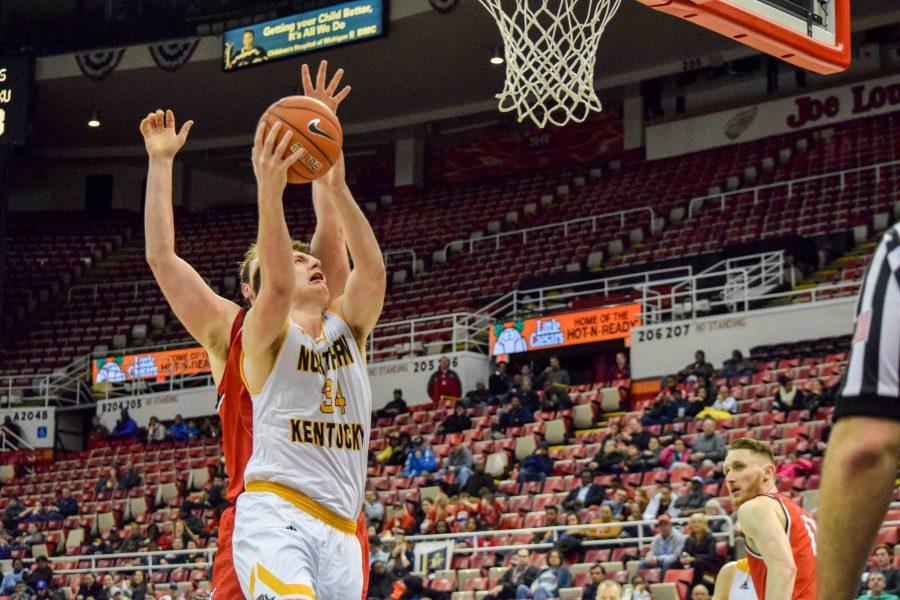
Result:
{"points": [[550, 47]]}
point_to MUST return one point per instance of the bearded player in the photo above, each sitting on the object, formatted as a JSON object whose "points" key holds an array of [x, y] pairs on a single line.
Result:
{"points": [[216, 322], [781, 536], [304, 365]]}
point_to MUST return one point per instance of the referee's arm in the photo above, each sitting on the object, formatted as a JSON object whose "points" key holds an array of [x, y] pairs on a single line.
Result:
{"points": [[864, 448]]}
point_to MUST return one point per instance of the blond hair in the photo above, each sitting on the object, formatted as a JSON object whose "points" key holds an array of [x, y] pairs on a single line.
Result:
{"points": [[755, 446], [609, 586], [254, 278]]}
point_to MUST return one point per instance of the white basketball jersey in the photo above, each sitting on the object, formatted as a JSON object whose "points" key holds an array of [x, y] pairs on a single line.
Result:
{"points": [[312, 419], [742, 584]]}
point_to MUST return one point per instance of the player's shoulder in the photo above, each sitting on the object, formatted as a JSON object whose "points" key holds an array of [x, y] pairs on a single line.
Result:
{"points": [[759, 506]]}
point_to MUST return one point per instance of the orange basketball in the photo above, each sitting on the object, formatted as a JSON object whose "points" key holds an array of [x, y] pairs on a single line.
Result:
{"points": [[315, 129]]}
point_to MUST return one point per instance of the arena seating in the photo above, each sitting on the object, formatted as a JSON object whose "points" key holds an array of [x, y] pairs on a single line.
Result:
{"points": [[170, 470]]}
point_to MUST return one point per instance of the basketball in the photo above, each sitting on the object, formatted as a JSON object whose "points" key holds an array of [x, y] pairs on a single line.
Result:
{"points": [[315, 129]]}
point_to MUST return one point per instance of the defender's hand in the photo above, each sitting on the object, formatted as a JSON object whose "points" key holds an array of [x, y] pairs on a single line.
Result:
{"points": [[160, 136], [269, 163], [320, 92]]}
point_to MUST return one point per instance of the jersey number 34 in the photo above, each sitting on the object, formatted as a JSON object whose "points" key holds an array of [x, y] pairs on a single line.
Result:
{"points": [[332, 396]]}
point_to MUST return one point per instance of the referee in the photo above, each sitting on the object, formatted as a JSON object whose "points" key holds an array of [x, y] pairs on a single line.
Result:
{"points": [[864, 448]]}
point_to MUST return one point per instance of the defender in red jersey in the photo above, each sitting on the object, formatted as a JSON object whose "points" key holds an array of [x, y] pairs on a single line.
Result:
{"points": [[215, 322], [781, 536]]}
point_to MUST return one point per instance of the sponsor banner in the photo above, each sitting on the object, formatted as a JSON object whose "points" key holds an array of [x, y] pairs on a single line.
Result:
{"points": [[868, 98], [158, 366], [504, 150], [658, 350], [567, 329], [411, 375], [38, 424], [310, 31], [190, 404]]}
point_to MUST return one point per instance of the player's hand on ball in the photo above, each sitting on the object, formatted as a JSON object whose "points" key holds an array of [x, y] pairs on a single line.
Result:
{"points": [[270, 165], [336, 174], [324, 94], [160, 135]]}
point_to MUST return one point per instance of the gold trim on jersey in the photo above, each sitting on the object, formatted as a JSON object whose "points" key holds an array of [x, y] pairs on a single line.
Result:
{"points": [[281, 346], [288, 591], [304, 503]]}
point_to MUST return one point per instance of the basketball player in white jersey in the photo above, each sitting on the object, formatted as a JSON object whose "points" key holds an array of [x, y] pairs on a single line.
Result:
{"points": [[304, 365], [734, 582]]}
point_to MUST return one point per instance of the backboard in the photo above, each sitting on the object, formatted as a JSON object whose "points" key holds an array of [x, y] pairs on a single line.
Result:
{"points": [[812, 34]]}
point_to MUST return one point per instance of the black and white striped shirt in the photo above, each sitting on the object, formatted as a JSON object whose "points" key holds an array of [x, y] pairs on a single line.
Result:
{"points": [[872, 386]]}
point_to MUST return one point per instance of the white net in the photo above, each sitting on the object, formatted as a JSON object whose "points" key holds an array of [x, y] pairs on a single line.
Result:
{"points": [[550, 47]]}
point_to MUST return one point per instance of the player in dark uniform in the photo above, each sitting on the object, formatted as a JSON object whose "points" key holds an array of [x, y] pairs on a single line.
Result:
{"points": [[864, 447], [247, 55]]}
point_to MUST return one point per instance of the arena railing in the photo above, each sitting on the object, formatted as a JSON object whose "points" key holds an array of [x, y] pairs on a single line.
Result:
{"points": [[460, 244], [841, 176], [412, 263], [464, 331], [149, 566], [642, 540], [134, 284]]}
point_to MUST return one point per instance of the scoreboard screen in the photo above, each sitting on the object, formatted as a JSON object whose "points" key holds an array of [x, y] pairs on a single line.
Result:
{"points": [[16, 74], [336, 25]]}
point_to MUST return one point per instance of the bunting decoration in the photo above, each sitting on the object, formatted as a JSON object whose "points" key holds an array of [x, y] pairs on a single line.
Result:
{"points": [[170, 56], [99, 64]]}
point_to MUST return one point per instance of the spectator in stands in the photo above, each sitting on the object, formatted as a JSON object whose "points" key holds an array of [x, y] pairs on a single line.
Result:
{"points": [[10, 579], [793, 467], [700, 592], [498, 383], [456, 422], [699, 551], [43, 572], [156, 431], [150, 541], [89, 588], [136, 586], [609, 590], [43, 513], [621, 370], [175, 556], [639, 589], [478, 397], [400, 522], [883, 561], [554, 398], [109, 483], [131, 541], [714, 508], [725, 402], [550, 519], [130, 477], [13, 513], [633, 512], [479, 479], [634, 433], [738, 366], [421, 460], [651, 454], [675, 455], [698, 368], [459, 462], [537, 466], [126, 427], [550, 579], [434, 511], [381, 583], [97, 428], [818, 397], [527, 395], [598, 575], [617, 502], [180, 530], [98, 546], [391, 451], [694, 501], [609, 460], [33, 536], [373, 508], [665, 409], [66, 504], [698, 401], [554, 373], [788, 397], [11, 427], [108, 585], [587, 494], [444, 382], [708, 448], [208, 428], [22, 592], [519, 576], [666, 547], [876, 583], [516, 416], [634, 461], [179, 430], [397, 406], [401, 561]]}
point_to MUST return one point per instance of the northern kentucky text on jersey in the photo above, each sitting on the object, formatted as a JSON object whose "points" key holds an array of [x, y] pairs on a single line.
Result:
{"points": [[336, 356], [345, 436]]}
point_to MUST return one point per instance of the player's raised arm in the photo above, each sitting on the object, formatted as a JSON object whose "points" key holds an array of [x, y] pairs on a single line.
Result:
{"points": [[761, 520], [723, 582], [328, 243], [363, 296], [205, 314], [267, 320]]}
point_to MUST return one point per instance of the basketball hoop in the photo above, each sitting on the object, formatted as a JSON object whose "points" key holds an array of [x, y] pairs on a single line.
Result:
{"points": [[550, 48]]}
